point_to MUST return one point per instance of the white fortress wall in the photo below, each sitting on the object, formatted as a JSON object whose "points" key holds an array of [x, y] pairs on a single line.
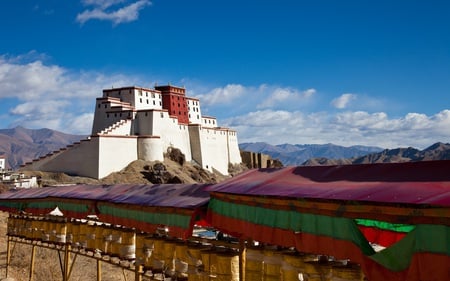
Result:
{"points": [[150, 148], [233, 147], [115, 153], [208, 121], [143, 122], [81, 159], [214, 149], [147, 99], [194, 111], [172, 134]]}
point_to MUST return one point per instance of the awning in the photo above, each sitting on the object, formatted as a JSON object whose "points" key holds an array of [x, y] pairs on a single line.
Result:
{"points": [[144, 207]]}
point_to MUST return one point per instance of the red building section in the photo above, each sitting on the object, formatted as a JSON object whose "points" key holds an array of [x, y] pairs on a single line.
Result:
{"points": [[174, 100]]}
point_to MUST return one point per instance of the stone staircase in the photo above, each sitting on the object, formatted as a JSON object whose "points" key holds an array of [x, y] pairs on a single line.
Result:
{"points": [[122, 127]]}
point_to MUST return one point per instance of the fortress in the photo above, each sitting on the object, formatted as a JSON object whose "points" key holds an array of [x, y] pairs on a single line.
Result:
{"points": [[133, 123]]}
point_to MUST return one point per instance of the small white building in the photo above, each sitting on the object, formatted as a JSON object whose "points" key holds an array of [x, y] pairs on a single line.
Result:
{"points": [[18, 180], [2, 163], [133, 123]]}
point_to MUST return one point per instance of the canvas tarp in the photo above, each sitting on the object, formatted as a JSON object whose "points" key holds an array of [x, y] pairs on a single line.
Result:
{"points": [[144, 207], [339, 210]]}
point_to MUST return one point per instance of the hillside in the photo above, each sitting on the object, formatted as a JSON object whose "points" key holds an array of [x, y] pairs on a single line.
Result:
{"points": [[21, 145], [297, 154], [437, 151]]}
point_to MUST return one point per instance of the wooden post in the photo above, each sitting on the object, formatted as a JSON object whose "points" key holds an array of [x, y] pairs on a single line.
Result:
{"points": [[66, 262], [8, 255], [99, 270], [137, 272], [242, 255], [33, 251]]}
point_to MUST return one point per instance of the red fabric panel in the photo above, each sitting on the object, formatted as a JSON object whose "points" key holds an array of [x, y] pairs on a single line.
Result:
{"points": [[146, 227], [381, 237], [424, 266]]}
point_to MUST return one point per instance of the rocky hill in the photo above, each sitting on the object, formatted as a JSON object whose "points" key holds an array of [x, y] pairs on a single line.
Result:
{"points": [[437, 151], [21, 145]]}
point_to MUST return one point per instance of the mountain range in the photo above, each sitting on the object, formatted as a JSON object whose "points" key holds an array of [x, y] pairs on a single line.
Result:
{"points": [[297, 154], [21, 145], [330, 154]]}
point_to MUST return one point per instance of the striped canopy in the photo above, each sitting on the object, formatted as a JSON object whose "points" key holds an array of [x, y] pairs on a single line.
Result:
{"points": [[144, 207], [341, 210]]}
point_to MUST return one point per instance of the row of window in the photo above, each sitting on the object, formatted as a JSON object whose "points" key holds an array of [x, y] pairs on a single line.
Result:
{"points": [[208, 121], [120, 115], [146, 94], [194, 102], [198, 116], [154, 102]]}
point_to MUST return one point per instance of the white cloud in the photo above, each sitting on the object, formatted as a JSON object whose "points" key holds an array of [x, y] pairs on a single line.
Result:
{"points": [[283, 95], [51, 96], [349, 128], [224, 95], [239, 98], [343, 101], [37, 95], [101, 11], [103, 4]]}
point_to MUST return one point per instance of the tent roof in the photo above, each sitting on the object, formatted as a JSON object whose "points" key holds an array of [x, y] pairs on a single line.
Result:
{"points": [[426, 182], [159, 195]]}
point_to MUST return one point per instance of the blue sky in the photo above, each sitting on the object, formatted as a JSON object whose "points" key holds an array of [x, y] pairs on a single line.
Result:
{"points": [[344, 72]]}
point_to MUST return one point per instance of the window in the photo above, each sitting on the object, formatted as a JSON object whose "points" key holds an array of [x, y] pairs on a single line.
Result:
{"points": [[154, 103], [107, 115], [147, 101], [98, 106], [140, 100], [106, 106], [162, 115]]}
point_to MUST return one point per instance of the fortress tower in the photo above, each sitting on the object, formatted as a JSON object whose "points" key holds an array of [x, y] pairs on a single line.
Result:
{"points": [[133, 123]]}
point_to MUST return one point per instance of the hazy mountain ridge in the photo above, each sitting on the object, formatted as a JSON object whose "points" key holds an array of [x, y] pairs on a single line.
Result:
{"points": [[297, 154], [21, 145]]}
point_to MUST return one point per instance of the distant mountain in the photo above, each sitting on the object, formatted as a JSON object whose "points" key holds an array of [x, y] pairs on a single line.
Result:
{"points": [[437, 151], [297, 154], [21, 145]]}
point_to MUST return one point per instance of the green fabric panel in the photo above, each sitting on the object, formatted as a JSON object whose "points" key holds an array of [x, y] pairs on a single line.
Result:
{"points": [[336, 227], [425, 238], [178, 220], [398, 256], [12, 204], [421, 238], [63, 206], [397, 227]]}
